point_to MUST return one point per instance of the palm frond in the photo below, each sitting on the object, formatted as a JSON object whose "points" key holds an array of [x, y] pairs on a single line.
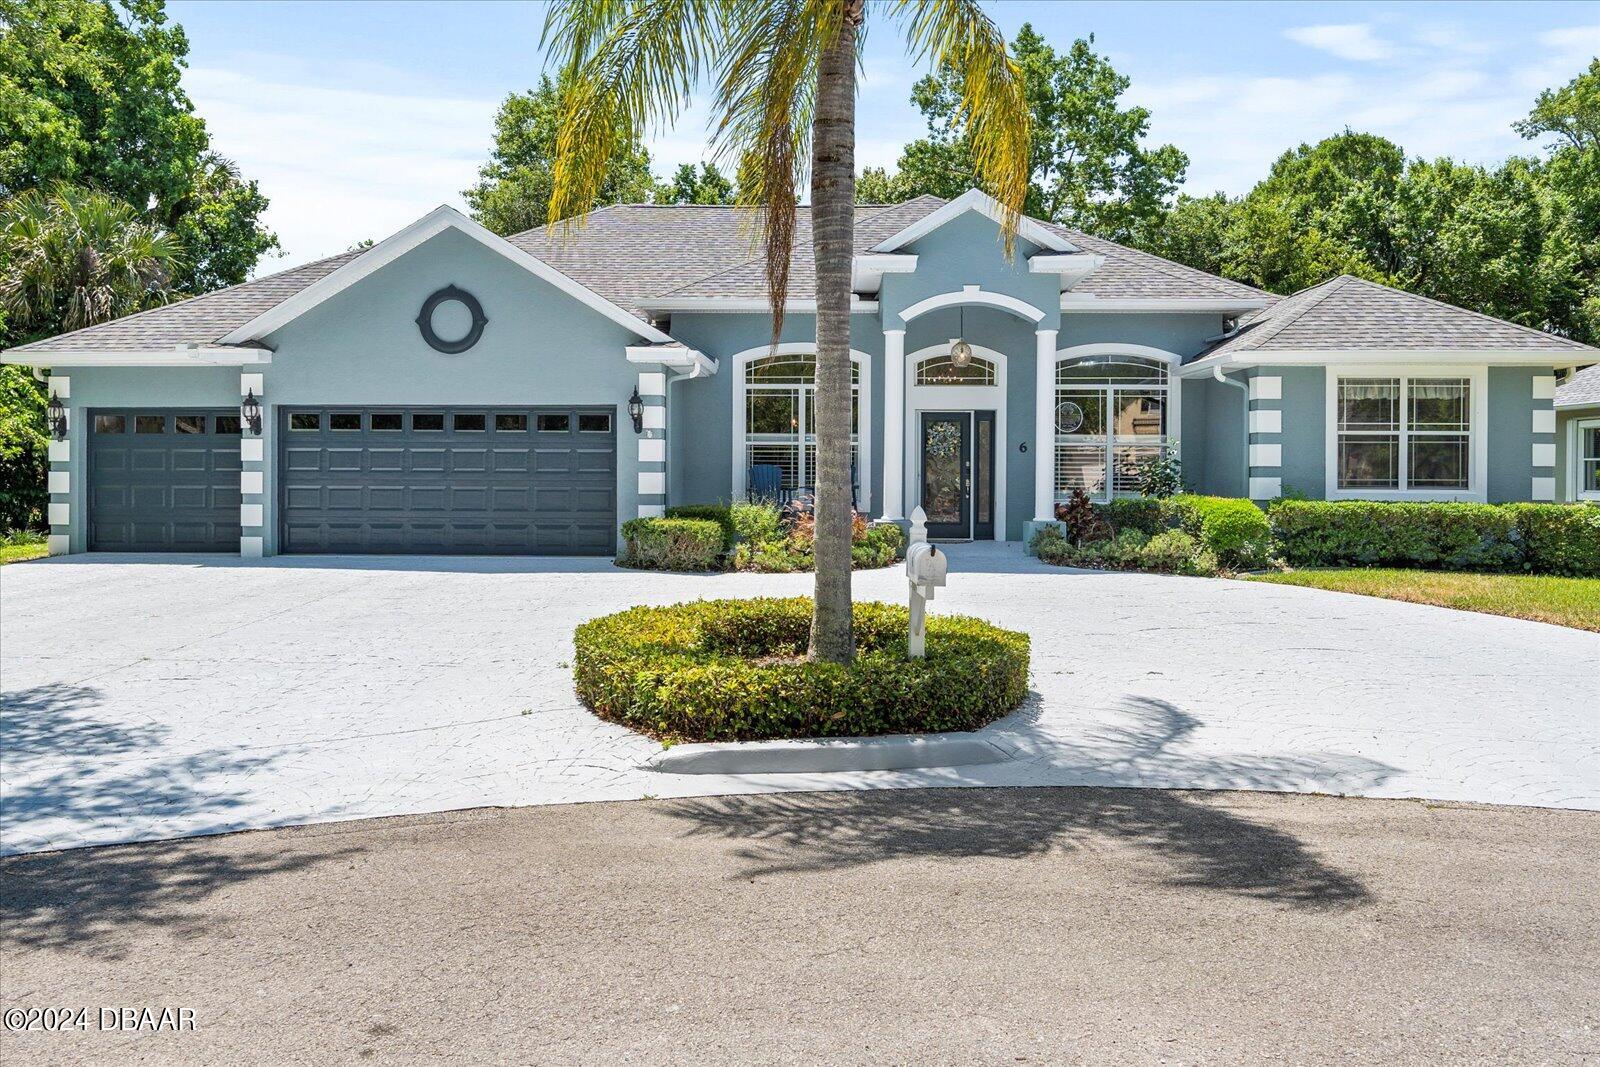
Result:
{"points": [[766, 89], [993, 108], [627, 64]]}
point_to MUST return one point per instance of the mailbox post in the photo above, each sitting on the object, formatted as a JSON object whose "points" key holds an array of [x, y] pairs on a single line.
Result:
{"points": [[926, 569]]}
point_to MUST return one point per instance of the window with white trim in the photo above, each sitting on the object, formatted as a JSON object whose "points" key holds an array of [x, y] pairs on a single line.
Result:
{"points": [[780, 418], [1402, 433], [942, 370], [1588, 461], [1111, 417]]}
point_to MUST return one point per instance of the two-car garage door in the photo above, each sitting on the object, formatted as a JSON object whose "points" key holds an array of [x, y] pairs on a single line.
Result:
{"points": [[448, 480]]}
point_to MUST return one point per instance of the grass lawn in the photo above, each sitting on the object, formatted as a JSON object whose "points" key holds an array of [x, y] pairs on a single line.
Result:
{"points": [[14, 548], [1564, 601]]}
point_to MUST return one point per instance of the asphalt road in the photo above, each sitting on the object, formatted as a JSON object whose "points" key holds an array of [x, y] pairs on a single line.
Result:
{"points": [[940, 926]]}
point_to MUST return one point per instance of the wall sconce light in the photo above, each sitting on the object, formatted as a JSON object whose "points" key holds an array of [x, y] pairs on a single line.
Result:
{"points": [[250, 408], [636, 411], [57, 414]]}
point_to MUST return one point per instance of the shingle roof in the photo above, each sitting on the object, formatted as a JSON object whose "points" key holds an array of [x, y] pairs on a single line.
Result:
{"points": [[199, 320], [637, 254], [1346, 313], [1582, 390]]}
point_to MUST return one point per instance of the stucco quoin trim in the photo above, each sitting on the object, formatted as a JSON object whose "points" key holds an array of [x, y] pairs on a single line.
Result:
{"points": [[969, 295]]}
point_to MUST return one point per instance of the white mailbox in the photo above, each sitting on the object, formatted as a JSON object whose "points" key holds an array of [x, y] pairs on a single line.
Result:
{"points": [[926, 570], [926, 565]]}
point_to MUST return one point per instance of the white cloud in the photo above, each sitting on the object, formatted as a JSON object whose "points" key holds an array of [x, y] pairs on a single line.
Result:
{"points": [[1573, 41], [1348, 40], [341, 165]]}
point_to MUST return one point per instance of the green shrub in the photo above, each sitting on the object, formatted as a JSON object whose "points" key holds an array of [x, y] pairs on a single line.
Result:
{"points": [[1456, 536], [1051, 545], [1236, 531], [672, 544], [731, 670], [721, 514], [757, 520], [1558, 538], [1143, 513], [1177, 552], [879, 546]]}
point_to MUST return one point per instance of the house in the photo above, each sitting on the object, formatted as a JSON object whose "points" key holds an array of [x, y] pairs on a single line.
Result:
{"points": [[448, 390], [1578, 436]]}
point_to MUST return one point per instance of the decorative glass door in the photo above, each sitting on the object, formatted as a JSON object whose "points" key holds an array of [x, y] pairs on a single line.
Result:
{"points": [[947, 473]]}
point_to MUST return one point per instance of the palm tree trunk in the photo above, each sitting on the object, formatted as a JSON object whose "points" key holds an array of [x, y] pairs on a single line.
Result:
{"points": [[833, 194]]}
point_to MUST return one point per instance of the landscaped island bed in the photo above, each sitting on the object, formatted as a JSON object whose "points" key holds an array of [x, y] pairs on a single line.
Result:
{"points": [[734, 670], [1542, 598]]}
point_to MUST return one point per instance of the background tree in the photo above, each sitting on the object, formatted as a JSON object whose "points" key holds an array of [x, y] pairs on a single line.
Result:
{"points": [[71, 258], [783, 97], [514, 186], [690, 186], [1088, 165], [92, 95]]}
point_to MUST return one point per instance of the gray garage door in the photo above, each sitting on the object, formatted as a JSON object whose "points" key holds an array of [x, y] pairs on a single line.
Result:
{"points": [[164, 480], [448, 480]]}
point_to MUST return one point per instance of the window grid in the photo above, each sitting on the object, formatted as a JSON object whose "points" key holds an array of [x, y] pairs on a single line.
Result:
{"points": [[1398, 433], [1111, 417], [785, 386]]}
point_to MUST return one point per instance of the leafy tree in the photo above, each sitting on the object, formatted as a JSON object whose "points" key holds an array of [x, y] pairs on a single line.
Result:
{"points": [[1571, 181], [68, 258], [76, 257], [92, 95], [514, 186], [1088, 164], [1571, 113], [783, 101], [690, 186], [877, 185]]}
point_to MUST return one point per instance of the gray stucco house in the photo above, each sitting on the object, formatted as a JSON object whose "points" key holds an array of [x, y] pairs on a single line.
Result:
{"points": [[449, 390], [1578, 436]]}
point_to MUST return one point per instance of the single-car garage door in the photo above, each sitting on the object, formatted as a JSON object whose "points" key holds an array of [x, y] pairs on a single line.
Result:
{"points": [[448, 480], [164, 480]]}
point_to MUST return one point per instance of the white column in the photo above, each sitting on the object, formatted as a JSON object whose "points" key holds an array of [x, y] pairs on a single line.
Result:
{"points": [[894, 424], [1044, 426]]}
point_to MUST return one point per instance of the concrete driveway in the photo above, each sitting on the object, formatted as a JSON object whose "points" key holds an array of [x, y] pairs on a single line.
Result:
{"points": [[945, 926], [151, 697]]}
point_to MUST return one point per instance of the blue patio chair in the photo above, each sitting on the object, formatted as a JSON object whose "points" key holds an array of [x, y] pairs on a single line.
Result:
{"points": [[766, 482]]}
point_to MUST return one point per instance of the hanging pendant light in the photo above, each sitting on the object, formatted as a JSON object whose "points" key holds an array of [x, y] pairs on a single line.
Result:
{"points": [[960, 351]]}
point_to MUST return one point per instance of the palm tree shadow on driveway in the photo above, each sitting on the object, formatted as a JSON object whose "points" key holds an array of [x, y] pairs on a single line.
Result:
{"points": [[90, 899], [1200, 843]]}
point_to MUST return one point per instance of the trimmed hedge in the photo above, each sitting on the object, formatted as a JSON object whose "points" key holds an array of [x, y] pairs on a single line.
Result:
{"points": [[1559, 538], [1540, 538], [672, 544], [1147, 514], [733, 670], [1236, 530], [721, 514]]}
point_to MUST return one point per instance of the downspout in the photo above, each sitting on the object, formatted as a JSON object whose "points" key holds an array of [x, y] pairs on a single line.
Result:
{"points": [[1216, 372], [696, 371]]}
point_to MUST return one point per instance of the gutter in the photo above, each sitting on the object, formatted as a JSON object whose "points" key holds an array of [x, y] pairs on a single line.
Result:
{"points": [[1216, 372]]}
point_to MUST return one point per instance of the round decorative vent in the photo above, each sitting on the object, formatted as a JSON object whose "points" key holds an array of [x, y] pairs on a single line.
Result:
{"points": [[450, 294], [1069, 417]]}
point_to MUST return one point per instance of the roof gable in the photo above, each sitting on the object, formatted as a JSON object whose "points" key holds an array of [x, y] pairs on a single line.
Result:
{"points": [[1350, 314], [387, 251], [1029, 229]]}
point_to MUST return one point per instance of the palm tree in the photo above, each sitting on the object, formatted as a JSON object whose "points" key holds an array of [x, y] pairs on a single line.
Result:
{"points": [[783, 80], [72, 257]]}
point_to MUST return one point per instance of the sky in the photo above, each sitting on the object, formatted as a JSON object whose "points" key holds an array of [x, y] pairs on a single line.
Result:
{"points": [[359, 117]]}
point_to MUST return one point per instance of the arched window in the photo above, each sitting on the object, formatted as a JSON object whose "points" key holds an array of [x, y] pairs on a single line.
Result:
{"points": [[941, 370], [780, 420], [1111, 417]]}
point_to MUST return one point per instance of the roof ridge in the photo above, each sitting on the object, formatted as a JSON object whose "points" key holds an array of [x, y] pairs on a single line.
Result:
{"points": [[1276, 324], [1465, 311]]}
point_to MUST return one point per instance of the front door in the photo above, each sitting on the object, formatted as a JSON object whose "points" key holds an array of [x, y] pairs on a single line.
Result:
{"points": [[947, 473]]}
